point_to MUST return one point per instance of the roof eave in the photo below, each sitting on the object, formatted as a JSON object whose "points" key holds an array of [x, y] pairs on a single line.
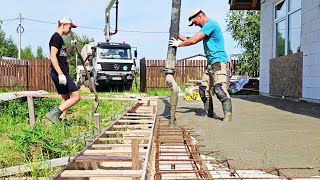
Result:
{"points": [[236, 5]]}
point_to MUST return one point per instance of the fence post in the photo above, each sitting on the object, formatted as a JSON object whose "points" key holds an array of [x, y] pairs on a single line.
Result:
{"points": [[143, 75], [27, 74], [32, 118]]}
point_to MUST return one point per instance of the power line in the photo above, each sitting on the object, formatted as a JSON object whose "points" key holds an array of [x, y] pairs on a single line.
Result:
{"points": [[35, 20], [9, 22], [9, 19], [86, 27], [136, 31], [96, 28]]}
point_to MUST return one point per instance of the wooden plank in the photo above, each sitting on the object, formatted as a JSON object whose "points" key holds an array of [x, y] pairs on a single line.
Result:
{"points": [[136, 121], [128, 132], [133, 126], [7, 75], [103, 159], [135, 156], [144, 111], [136, 117], [103, 151], [98, 146], [41, 165], [144, 107], [28, 75], [136, 114], [123, 138], [101, 173], [112, 152]]}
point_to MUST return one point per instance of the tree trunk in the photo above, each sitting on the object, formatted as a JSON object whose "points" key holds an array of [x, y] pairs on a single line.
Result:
{"points": [[171, 59]]}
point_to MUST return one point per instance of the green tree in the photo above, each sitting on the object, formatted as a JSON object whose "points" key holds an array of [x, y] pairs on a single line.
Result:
{"points": [[244, 27], [27, 53], [7, 46], [40, 53]]}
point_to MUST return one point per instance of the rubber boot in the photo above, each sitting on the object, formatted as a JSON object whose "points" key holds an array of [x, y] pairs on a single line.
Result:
{"points": [[54, 114], [227, 110], [208, 106]]}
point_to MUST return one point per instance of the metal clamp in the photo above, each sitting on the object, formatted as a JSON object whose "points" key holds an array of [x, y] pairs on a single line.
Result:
{"points": [[168, 70]]}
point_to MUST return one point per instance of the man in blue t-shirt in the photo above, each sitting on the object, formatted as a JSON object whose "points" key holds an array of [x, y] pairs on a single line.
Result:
{"points": [[213, 43]]}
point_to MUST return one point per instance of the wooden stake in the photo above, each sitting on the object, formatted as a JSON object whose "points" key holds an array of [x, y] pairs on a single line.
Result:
{"points": [[32, 117], [135, 156], [96, 118]]}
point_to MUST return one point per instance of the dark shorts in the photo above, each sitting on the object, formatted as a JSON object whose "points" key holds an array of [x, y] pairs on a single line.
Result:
{"points": [[63, 89]]}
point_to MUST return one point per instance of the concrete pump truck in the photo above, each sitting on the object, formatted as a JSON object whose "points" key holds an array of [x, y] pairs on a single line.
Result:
{"points": [[109, 63]]}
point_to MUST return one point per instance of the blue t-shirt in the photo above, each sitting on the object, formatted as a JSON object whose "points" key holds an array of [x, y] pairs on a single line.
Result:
{"points": [[213, 43]]}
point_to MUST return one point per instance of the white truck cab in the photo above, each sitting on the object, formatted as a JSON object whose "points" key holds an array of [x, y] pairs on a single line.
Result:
{"points": [[109, 63]]}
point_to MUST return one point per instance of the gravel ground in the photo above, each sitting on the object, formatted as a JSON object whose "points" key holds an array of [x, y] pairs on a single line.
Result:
{"points": [[265, 132]]}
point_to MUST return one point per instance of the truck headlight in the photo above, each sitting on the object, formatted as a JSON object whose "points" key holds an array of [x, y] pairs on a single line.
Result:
{"points": [[99, 67]]}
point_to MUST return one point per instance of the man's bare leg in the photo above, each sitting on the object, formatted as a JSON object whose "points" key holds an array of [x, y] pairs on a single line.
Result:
{"points": [[72, 100], [64, 97]]}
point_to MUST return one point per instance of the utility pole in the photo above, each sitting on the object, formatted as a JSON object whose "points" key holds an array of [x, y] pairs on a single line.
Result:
{"points": [[171, 60], [19, 39]]}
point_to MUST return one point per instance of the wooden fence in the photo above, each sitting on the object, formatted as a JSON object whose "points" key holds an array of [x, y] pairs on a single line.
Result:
{"points": [[153, 78], [35, 74], [26, 74]]}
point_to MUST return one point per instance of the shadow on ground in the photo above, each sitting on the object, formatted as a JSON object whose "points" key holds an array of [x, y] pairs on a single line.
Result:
{"points": [[166, 112], [167, 106], [197, 111]]}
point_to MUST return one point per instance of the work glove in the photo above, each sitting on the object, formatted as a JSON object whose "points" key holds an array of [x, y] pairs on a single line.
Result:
{"points": [[62, 79], [74, 43], [174, 42]]}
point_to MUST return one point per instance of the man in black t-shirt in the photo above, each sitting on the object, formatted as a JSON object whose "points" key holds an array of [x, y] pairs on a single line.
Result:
{"points": [[60, 69]]}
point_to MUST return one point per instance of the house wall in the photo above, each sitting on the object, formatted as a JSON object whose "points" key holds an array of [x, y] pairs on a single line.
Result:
{"points": [[310, 46], [266, 44]]}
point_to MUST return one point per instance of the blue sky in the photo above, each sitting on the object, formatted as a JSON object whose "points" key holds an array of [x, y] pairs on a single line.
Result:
{"points": [[150, 17]]}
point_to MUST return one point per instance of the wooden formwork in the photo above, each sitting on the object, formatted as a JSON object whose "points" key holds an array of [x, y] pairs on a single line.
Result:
{"points": [[121, 151]]}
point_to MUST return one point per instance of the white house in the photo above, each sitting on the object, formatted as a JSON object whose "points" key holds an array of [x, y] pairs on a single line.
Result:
{"points": [[289, 46]]}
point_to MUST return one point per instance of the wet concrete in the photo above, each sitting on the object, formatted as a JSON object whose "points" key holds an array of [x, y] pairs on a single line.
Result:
{"points": [[265, 132]]}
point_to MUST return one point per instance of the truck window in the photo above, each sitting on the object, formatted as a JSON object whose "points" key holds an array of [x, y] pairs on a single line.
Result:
{"points": [[114, 53]]}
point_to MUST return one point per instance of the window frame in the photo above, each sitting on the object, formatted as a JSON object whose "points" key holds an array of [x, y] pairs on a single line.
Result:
{"points": [[286, 19]]}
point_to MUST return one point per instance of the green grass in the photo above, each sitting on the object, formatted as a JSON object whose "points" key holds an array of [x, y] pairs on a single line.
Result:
{"points": [[22, 144], [161, 92]]}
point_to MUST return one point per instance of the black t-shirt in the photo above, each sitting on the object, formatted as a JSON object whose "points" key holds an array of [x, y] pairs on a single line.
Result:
{"points": [[57, 41]]}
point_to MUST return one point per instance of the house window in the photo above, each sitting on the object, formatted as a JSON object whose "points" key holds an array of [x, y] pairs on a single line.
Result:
{"points": [[287, 27], [280, 38]]}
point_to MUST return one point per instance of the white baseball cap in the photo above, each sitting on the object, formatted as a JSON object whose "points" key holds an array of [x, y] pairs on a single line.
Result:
{"points": [[65, 20], [193, 14]]}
